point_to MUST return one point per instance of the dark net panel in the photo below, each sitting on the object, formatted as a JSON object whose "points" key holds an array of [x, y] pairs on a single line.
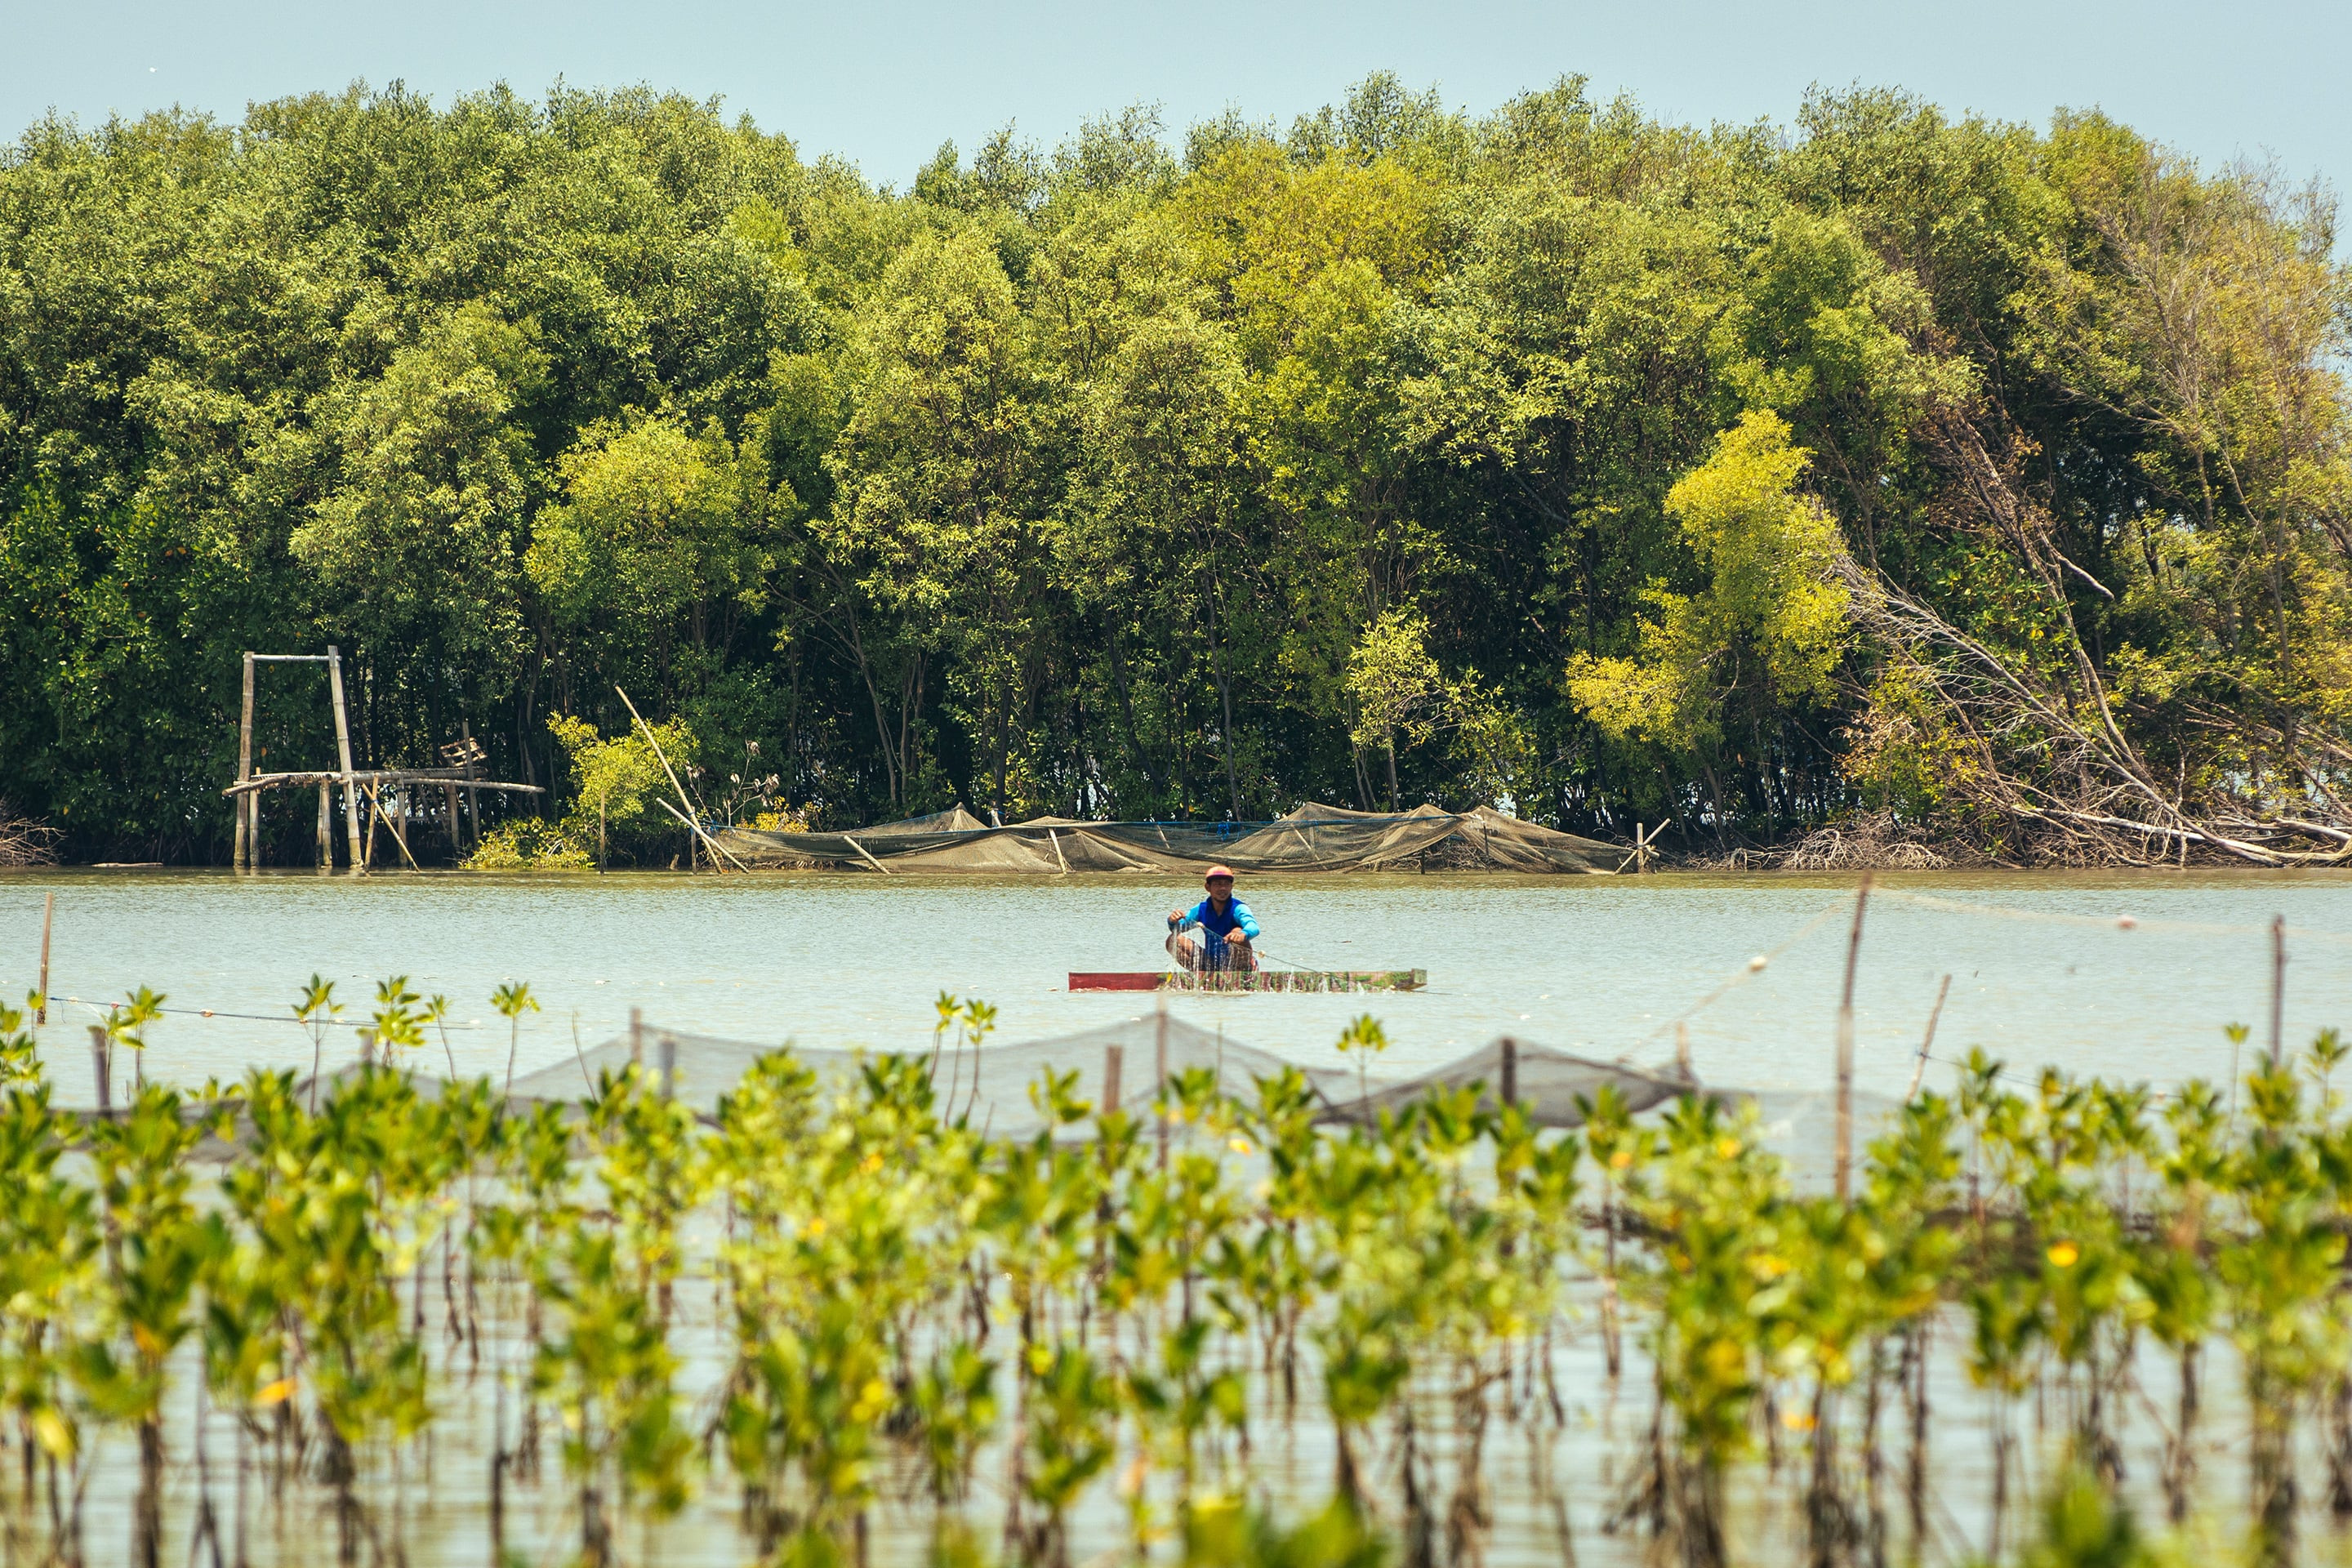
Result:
{"points": [[1315, 838]]}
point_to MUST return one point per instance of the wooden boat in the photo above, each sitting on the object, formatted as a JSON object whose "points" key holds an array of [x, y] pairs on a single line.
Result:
{"points": [[1313, 980]]}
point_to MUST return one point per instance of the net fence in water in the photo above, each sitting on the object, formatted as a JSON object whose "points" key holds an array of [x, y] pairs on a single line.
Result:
{"points": [[990, 1086], [1315, 838]]}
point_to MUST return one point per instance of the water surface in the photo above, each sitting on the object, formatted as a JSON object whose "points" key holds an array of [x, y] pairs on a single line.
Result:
{"points": [[2042, 969]]}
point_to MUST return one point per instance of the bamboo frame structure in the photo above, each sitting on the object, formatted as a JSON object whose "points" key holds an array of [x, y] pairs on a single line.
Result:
{"points": [[245, 794]]}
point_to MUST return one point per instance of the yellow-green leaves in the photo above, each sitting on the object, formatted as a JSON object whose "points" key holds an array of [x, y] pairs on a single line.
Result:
{"points": [[1772, 618], [614, 781], [661, 524]]}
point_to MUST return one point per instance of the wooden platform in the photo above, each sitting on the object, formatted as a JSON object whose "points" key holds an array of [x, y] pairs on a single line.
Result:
{"points": [[1313, 980]]}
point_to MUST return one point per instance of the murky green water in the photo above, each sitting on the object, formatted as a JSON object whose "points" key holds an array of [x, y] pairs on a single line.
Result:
{"points": [[2041, 970]]}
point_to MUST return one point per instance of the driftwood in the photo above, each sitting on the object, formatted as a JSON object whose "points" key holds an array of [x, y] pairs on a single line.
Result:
{"points": [[26, 840], [2045, 748]]}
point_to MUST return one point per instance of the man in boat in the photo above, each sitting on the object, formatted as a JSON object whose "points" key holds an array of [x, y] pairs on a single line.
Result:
{"points": [[1218, 933]]}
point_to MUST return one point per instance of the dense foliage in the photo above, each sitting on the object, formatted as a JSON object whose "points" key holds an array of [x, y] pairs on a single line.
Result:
{"points": [[906, 1329], [1747, 477]]}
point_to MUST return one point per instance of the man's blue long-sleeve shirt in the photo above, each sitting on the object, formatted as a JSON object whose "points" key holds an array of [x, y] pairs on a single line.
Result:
{"points": [[1220, 926]]}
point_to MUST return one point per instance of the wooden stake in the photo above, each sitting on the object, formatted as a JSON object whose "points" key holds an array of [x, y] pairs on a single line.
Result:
{"points": [[49, 913], [1160, 1075], [636, 1036], [1114, 1058], [1510, 1070], [240, 857], [2278, 988], [343, 756], [1845, 1047], [326, 834], [665, 1053], [682, 799], [1919, 1069], [100, 1070], [1682, 1046], [456, 834]]}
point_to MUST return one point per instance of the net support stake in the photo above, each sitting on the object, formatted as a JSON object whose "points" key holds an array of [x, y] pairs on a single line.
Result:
{"points": [[343, 761], [98, 1069], [1919, 1068], [869, 858], [665, 1052], [1113, 1058], [1159, 1075], [48, 911], [1510, 1070], [241, 854], [1845, 1047], [636, 1036], [2278, 986]]}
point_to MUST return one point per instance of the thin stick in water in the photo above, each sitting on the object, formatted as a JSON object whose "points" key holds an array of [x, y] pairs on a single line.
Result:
{"points": [[1919, 1068]]}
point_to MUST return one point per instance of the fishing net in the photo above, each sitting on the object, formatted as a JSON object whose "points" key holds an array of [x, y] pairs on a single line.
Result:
{"points": [[990, 1084], [1315, 838], [1554, 1086]]}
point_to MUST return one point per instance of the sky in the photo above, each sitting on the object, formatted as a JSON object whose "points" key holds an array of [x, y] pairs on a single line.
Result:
{"points": [[883, 83]]}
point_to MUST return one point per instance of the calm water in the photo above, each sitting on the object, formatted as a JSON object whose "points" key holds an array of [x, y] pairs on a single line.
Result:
{"points": [[2041, 969]]}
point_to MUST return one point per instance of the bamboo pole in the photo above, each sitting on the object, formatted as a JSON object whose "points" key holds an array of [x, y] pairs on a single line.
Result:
{"points": [[1919, 1069], [1845, 1047], [392, 825], [240, 857], [343, 756], [49, 913], [869, 853], [102, 1070], [2278, 989], [682, 797], [326, 832], [1159, 1074]]}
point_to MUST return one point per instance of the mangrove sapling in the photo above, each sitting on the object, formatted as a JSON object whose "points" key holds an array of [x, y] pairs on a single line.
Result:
{"points": [[2007, 1319], [1908, 1187], [1360, 1041], [653, 1172], [331, 1215], [1072, 1416], [1729, 1247], [20, 1053], [155, 1247], [1616, 1152], [2281, 1269], [954, 1405], [49, 1247], [608, 1370], [536, 1169], [513, 999], [127, 1024], [1272, 1270], [316, 1010]]}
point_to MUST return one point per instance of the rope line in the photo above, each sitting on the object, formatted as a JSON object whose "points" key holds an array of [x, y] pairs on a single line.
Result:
{"points": [[2119, 922], [1739, 976], [103, 1008]]}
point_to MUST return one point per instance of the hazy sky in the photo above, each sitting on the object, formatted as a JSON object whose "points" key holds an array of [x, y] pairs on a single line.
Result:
{"points": [[885, 83]]}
